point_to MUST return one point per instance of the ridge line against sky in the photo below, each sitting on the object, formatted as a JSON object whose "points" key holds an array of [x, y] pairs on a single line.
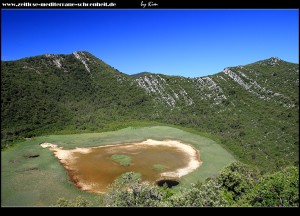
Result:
{"points": [[189, 43]]}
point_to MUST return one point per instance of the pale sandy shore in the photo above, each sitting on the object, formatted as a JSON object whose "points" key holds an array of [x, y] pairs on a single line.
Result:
{"points": [[66, 157]]}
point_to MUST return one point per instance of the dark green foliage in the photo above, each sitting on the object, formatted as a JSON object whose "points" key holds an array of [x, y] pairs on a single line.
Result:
{"points": [[237, 179], [277, 190], [208, 194]]}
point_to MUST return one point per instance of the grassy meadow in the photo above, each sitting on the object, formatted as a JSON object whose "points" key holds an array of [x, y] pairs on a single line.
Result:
{"points": [[42, 180]]}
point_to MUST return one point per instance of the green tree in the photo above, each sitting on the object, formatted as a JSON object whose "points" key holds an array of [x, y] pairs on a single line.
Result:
{"points": [[278, 189], [237, 179]]}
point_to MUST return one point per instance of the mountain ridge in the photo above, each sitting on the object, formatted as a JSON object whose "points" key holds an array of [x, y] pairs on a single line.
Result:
{"points": [[266, 61]]}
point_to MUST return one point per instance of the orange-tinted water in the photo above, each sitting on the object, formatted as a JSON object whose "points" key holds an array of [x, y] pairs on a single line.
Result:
{"points": [[98, 170]]}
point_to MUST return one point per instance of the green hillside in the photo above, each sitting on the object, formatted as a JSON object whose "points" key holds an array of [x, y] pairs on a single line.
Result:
{"points": [[53, 92], [252, 110]]}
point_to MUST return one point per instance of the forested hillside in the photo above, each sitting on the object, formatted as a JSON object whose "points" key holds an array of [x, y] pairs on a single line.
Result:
{"points": [[253, 110]]}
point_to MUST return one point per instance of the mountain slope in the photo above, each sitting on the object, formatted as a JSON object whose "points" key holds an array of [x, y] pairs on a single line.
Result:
{"points": [[252, 109], [74, 89]]}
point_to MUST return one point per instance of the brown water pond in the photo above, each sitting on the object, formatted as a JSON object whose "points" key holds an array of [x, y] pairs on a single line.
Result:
{"points": [[95, 169]]}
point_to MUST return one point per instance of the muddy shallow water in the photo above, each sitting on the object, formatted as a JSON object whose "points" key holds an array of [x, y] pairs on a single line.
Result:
{"points": [[97, 167], [93, 169]]}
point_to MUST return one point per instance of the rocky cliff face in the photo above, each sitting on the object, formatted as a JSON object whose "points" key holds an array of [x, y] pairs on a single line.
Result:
{"points": [[251, 79]]}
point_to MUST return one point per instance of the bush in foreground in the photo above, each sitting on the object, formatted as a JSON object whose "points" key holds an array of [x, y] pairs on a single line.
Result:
{"points": [[128, 190], [78, 202]]}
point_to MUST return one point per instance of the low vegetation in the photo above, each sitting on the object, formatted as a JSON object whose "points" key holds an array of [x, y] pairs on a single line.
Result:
{"points": [[123, 160], [78, 202], [279, 189]]}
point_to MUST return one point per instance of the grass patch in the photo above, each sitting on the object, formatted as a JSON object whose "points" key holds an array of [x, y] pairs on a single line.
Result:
{"points": [[159, 167], [123, 160]]}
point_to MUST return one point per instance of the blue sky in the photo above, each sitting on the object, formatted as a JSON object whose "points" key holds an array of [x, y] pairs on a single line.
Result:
{"points": [[189, 43]]}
